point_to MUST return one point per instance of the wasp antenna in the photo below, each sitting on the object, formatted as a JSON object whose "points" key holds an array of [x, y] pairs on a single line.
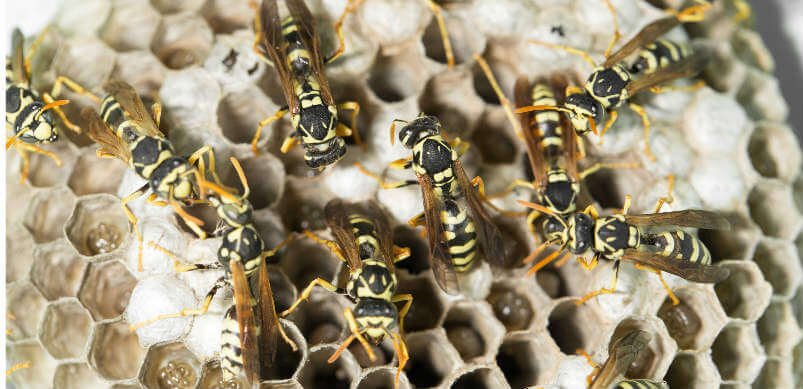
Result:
{"points": [[51, 105]]}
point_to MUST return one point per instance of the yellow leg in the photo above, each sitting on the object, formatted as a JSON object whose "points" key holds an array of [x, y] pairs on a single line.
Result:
{"points": [[603, 290], [549, 258], [74, 86], [616, 33], [563, 259], [447, 45], [743, 11], [626, 206], [19, 366], [307, 291], [342, 130], [351, 5], [154, 200], [401, 352], [646, 121], [400, 253], [408, 301], [608, 124], [581, 147], [402, 164], [531, 222], [385, 185], [331, 245], [668, 198], [289, 142], [591, 363], [597, 166], [591, 210], [570, 50], [417, 220], [67, 123], [672, 296], [513, 185], [502, 99], [32, 49], [460, 146], [660, 89], [589, 265], [23, 148], [477, 181], [281, 112], [694, 13], [156, 111], [221, 282], [178, 267], [133, 219], [355, 333], [272, 252], [355, 110]]}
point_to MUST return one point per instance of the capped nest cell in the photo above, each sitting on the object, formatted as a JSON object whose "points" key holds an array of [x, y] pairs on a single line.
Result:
{"points": [[73, 286]]}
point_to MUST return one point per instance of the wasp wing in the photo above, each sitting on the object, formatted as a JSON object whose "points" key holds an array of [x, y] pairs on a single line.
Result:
{"points": [[133, 108], [696, 218], [249, 331], [271, 39], [686, 67], [521, 95], [18, 73], [624, 352], [337, 214], [269, 321], [691, 271], [648, 34], [309, 34], [490, 239], [383, 230], [101, 134], [570, 139], [441, 260]]}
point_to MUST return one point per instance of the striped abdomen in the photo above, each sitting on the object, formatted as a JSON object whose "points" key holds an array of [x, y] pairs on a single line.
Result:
{"points": [[365, 235], [296, 53], [639, 384], [658, 55], [231, 355], [459, 234], [547, 123], [679, 245]]}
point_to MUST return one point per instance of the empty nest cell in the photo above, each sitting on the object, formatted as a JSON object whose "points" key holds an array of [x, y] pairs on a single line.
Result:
{"points": [[431, 359], [65, 329], [47, 212], [472, 331], [182, 40], [771, 207], [737, 353], [318, 373], [398, 77], [526, 360], [744, 294]]}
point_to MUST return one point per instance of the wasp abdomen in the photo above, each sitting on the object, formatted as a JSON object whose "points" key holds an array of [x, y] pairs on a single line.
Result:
{"points": [[461, 236], [638, 384], [681, 246], [658, 55], [231, 354]]}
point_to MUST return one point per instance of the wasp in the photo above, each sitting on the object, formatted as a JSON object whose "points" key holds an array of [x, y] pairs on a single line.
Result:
{"points": [[294, 49], [28, 114], [454, 218], [127, 131], [363, 240], [621, 356], [612, 84], [629, 237], [251, 327]]}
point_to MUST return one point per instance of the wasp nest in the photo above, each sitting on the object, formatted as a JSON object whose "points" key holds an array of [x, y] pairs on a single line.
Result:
{"points": [[72, 281]]}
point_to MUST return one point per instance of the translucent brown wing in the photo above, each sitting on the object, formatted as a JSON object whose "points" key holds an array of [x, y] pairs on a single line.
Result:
{"points": [[648, 34], [570, 140], [309, 34], [521, 95], [18, 72], [272, 40], [691, 271], [249, 332], [383, 230], [337, 213], [696, 218], [440, 258], [133, 107], [621, 356], [269, 321], [490, 239], [101, 134], [687, 67]]}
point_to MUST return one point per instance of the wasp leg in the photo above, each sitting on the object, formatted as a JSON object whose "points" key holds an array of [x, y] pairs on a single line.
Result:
{"points": [[133, 219], [386, 185], [549, 258], [609, 123], [48, 99], [460, 146], [597, 166], [603, 290], [400, 253], [153, 200], [331, 245], [589, 265], [417, 220], [513, 185], [355, 110], [179, 267], [197, 156], [626, 206], [591, 363], [694, 13], [502, 99], [221, 282], [290, 141], [74, 86], [351, 5], [591, 210], [743, 11], [672, 296], [401, 352], [480, 184], [272, 252], [668, 198], [355, 333], [308, 290], [646, 121], [531, 222], [281, 112], [447, 45], [32, 49], [570, 50], [19, 366], [616, 33], [563, 259], [660, 89], [23, 148], [408, 301]]}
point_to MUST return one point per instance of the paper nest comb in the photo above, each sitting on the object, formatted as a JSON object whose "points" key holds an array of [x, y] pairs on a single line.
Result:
{"points": [[72, 283]]}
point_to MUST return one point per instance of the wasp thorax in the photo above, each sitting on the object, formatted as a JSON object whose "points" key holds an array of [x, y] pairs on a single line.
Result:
{"points": [[171, 176], [609, 85], [582, 107], [560, 193], [581, 233], [235, 214], [417, 130], [554, 229], [318, 121]]}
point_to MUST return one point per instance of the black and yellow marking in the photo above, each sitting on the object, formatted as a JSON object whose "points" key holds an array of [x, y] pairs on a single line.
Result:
{"points": [[639, 384], [681, 246], [460, 235], [658, 55]]}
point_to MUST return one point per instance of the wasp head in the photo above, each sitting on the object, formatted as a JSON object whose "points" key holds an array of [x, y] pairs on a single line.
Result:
{"points": [[582, 108], [41, 128], [375, 318], [581, 233], [419, 129], [235, 213]]}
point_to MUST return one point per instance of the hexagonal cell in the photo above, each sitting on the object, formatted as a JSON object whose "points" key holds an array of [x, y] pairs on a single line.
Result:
{"points": [[552, 282], [115, 352], [298, 211], [495, 139], [567, 329], [47, 212], [383, 353], [94, 175], [472, 331], [776, 374], [142, 70], [424, 315], [480, 378], [778, 329], [321, 318], [65, 329], [692, 370], [170, 366], [404, 236], [86, 60], [654, 359], [445, 96], [226, 16], [526, 360], [106, 289], [98, 225], [319, 373], [268, 189], [239, 112], [760, 95], [383, 378], [773, 151], [770, 205], [173, 6], [736, 243], [77, 376], [25, 309], [512, 305], [303, 261], [58, 270], [182, 40], [431, 359], [744, 294], [44, 172], [18, 195], [737, 353], [780, 265], [471, 41], [39, 374], [20, 242], [696, 320], [505, 75], [287, 362], [130, 25], [398, 77]]}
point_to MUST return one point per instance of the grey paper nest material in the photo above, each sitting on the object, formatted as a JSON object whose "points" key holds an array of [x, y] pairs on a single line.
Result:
{"points": [[73, 287]]}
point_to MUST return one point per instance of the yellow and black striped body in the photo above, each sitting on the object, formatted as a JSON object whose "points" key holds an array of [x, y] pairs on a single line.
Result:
{"points": [[679, 245], [231, 354], [605, 89], [658, 55], [24, 111], [639, 384], [153, 158], [373, 285], [460, 235], [316, 121], [434, 157], [547, 124]]}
